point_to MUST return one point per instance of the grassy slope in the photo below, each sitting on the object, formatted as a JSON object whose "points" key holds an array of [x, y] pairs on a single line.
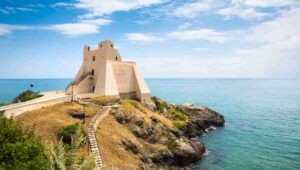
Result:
{"points": [[47, 121], [110, 133]]}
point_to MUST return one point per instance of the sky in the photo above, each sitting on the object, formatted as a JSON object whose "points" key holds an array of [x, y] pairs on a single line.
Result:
{"points": [[167, 38]]}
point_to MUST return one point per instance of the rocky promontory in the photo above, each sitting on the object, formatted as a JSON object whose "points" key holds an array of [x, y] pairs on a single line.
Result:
{"points": [[169, 137]]}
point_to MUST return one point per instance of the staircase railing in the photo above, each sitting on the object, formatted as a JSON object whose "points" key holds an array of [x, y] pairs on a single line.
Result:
{"points": [[69, 85], [82, 77]]}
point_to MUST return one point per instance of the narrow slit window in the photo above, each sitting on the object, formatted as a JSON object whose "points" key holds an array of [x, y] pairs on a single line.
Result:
{"points": [[94, 58], [93, 72], [116, 58]]}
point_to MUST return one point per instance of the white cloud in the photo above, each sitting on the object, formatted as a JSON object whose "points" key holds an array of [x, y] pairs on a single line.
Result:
{"points": [[184, 26], [7, 28], [62, 4], [82, 27], [3, 11], [267, 3], [142, 37], [100, 8], [198, 34], [208, 66], [191, 10], [244, 13], [9, 10], [24, 9], [281, 33]]}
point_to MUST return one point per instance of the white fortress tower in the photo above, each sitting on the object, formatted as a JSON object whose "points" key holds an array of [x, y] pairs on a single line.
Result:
{"points": [[103, 73]]}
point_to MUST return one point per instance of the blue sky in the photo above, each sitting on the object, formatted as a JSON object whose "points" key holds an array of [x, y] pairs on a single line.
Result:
{"points": [[167, 38]]}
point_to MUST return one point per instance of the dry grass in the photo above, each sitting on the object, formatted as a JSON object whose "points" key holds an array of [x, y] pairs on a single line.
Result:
{"points": [[47, 121], [137, 107], [110, 135], [105, 100]]}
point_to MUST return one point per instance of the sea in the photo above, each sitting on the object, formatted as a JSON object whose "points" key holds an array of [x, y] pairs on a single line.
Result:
{"points": [[262, 129]]}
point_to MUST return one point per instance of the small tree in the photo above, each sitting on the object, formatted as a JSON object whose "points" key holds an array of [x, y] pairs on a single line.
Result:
{"points": [[31, 87], [20, 149]]}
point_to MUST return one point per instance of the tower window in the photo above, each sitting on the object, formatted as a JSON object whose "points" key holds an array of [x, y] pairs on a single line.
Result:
{"points": [[116, 58], [112, 46], [101, 45], [93, 72], [94, 58]]}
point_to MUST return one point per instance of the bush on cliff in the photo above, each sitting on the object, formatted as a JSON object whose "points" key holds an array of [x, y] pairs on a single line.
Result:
{"points": [[66, 133], [26, 95], [63, 156], [4, 104], [20, 149], [171, 142]]}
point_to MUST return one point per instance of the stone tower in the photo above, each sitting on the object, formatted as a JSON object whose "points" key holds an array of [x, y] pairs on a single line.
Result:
{"points": [[105, 74]]}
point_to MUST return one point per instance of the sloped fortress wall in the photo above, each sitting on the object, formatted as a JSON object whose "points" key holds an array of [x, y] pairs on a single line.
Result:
{"points": [[104, 73]]}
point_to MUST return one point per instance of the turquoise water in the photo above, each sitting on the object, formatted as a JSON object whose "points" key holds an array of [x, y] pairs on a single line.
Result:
{"points": [[262, 129]]}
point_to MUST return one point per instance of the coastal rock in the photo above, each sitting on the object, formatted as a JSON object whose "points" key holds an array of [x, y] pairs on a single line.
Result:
{"points": [[129, 145], [123, 117], [210, 129], [146, 159], [138, 121], [164, 157], [151, 105], [140, 133], [201, 118], [189, 152], [195, 121], [153, 138]]}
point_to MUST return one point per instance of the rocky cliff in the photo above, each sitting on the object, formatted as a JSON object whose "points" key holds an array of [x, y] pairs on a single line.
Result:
{"points": [[164, 135]]}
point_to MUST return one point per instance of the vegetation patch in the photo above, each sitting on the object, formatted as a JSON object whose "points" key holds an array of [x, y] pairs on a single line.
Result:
{"points": [[171, 142], [64, 156], [26, 96], [179, 124], [66, 133], [161, 105], [20, 149], [105, 100], [137, 105], [4, 104]]}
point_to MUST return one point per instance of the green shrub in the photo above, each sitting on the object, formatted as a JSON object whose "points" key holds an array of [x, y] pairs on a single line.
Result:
{"points": [[179, 124], [26, 95], [66, 133], [171, 142], [20, 149], [4, 104], [137, 105], [63, 156], [105, 100]]}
